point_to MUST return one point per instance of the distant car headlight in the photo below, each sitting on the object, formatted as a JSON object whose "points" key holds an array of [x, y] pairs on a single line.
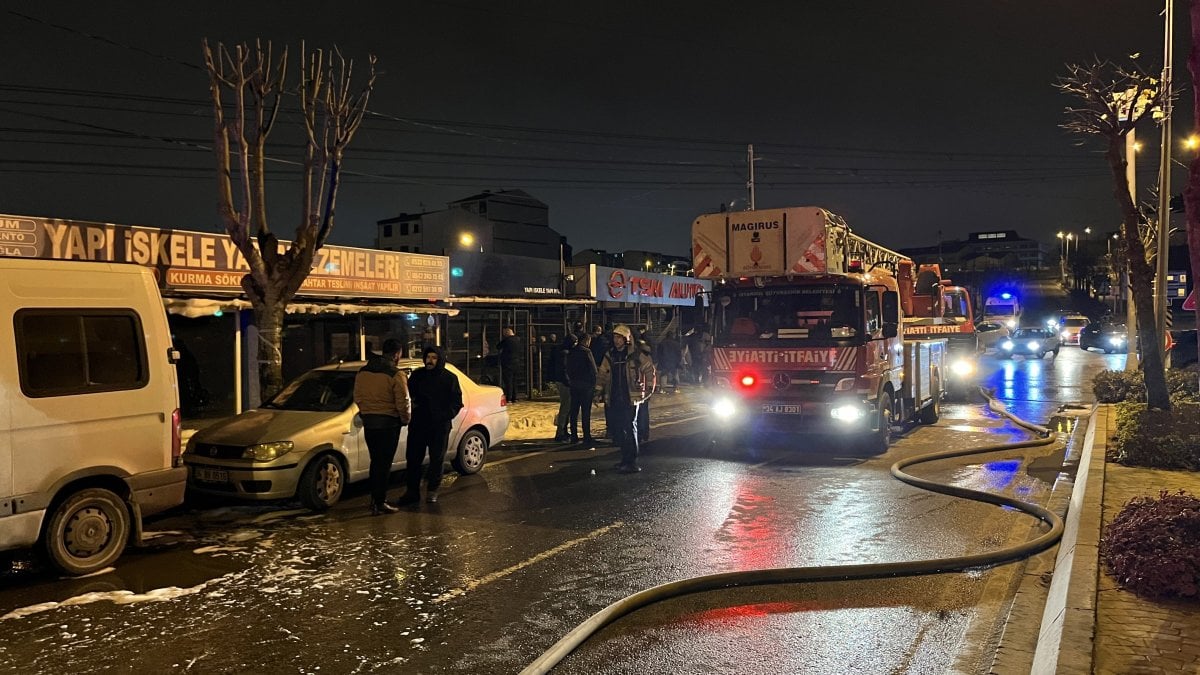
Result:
{"points": [[1007, 345], [1065, 334], [724, 408], [848, 413], [962, 368], [265, 452], [1011, 323], [1116, 340], [1034, 345]]}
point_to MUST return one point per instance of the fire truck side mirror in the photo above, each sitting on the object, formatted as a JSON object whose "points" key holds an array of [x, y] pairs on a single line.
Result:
{"points": [[891, 330], [891, 307]]}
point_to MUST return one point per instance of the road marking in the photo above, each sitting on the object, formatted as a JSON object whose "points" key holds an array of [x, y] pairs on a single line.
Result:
{"points": [[476, 583], [524, 455], [682, 421]]}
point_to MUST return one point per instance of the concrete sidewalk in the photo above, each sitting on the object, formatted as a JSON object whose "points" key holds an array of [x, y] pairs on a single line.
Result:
{"points": [[1088, 623]]}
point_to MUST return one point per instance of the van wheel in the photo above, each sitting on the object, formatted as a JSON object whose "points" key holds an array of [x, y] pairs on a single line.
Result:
{"points": [[472, 450], [87, 531], [322, 483], [933, 411]]}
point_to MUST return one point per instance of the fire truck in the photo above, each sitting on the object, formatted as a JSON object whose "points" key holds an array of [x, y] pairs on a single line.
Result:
{"points": [[941, 310], [807, 327]]}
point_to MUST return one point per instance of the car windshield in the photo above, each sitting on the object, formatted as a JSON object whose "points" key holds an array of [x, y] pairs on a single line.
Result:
{"points": [[783, 315], [1032, 333], [316, 391], [1075, 323], [1001, 310]]}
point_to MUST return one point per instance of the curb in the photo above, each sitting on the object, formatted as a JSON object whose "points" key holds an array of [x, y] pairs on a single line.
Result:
{"points": [[1067, 634]]}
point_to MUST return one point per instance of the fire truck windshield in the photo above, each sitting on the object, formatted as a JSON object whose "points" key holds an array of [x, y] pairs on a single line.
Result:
{"points": [[955, 303], [778, 315]]}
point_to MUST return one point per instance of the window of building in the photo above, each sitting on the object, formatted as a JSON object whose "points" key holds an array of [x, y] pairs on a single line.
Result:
{"points": [[64, 352], [387, 230], [403, 229], [416, 228]]}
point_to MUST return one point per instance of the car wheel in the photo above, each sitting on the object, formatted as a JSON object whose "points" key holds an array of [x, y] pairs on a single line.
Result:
{"points": [[472, 452], [931, 412], [87, 531], [878, 442], [322, 483]]}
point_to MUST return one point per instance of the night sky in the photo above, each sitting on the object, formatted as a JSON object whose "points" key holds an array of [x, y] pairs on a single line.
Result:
{"points": [[627, 118]]}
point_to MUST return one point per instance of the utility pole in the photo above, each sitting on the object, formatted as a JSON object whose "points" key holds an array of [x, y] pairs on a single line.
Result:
{"points": [[1164, 182], [750, 177]]}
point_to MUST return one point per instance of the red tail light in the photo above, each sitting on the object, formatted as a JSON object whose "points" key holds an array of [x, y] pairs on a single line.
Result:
{"points": [[748, 380], [503, 401], [176, 438]]}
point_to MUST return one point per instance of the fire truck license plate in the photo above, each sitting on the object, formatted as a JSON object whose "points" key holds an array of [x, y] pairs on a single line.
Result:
{"points": [[781, 408]]}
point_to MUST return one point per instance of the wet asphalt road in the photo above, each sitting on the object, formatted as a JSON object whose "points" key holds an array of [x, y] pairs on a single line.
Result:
{"points": [[513, 558]]}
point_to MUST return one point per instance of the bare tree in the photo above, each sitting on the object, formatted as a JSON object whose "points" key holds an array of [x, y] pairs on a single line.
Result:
{"points": [[1191, 191], [255, 83], [1111, 100]]}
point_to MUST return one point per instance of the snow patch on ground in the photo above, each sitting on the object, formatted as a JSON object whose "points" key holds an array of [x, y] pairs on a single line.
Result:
{"points": [[116, 597]]}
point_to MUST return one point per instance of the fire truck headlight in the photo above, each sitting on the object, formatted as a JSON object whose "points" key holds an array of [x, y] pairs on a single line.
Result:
{"points": [[962, 367], [845, 384], [848, 413], [724, 408]]}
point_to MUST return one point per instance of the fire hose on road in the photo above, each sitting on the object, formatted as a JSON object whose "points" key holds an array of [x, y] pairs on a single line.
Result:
{"points": [[795, 575]]}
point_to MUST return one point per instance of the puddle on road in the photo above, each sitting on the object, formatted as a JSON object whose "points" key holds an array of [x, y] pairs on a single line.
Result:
{"points": [[1039, 472]]}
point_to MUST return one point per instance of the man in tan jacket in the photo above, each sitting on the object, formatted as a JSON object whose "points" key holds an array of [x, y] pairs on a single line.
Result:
{"points": [[381, 393]]}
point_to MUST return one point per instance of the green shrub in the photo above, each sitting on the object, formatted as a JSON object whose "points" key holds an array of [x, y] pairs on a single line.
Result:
{"points": [[1157, 438], [1152, 547], [1115, 386]]}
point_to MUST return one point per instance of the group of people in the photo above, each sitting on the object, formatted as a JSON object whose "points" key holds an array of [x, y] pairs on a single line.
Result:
{"points": [[616, 370], [427, 402]]}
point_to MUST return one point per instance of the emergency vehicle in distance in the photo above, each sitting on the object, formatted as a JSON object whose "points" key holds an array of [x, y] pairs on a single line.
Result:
{"points": [[1003, 306], [807, 326], [942, 310]]}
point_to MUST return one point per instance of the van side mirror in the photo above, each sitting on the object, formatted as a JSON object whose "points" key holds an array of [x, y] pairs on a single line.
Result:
{"points": [[891, 330]]}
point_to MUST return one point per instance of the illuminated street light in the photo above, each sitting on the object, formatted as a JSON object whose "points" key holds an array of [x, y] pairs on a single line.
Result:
{"points": [[1191, 142], [1137, 146], [466, 239]]}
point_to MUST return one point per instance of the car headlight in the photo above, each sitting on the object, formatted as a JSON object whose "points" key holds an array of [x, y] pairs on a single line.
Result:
{"points": [[1065, 334], [1034, 345], [962, 367], [848, 413], [265, 452], [1011, 323], [1116, 340], [1007, 345], [724, 408]]}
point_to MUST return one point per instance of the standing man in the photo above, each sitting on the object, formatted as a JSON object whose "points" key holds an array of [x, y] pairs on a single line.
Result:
{"points": [[381, 393], [557, 373], [622, 383], [581, 371], [436, 400], [508, 350], [670, 358]]}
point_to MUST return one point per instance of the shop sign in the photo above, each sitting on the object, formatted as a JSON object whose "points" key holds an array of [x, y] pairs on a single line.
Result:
{"points": [[211, 263], [504, 275], [619, 285]]}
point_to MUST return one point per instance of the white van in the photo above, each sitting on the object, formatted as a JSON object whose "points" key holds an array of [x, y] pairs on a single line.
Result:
{"points": [[89, 411]]}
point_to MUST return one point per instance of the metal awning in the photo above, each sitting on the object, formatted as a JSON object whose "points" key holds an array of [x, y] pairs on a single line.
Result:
{"points": [[198, 307], [478, 300]]}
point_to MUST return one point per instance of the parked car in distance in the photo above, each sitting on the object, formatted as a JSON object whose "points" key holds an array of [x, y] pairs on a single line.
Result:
{"points": [[1070, 326], [1183, 354], [307, 441], [1110, 338], [990, 334], [1029, 342]]}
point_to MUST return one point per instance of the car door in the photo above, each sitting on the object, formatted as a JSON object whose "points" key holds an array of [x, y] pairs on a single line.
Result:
{"points": [[401, 460]]}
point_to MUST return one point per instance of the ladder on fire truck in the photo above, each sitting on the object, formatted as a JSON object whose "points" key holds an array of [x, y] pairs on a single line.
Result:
{"points": [[865, 250]]}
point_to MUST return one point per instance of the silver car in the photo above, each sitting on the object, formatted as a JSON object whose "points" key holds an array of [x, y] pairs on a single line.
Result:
{"points": [[307, 441]]}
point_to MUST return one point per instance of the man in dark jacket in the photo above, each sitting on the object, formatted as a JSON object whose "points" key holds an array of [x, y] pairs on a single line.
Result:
{"points": [[581, 373], [436, 399], [670, 358], [556, 372], [509, 349]]}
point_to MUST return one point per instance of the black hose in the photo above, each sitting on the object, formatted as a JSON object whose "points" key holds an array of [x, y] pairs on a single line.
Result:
{"points": [[792, 575]]}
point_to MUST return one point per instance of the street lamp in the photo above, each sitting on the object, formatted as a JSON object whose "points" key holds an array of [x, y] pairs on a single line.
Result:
{"points": [[466, 239]]}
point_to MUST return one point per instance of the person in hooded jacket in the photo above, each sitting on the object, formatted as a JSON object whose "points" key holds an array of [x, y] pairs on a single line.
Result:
{"points": [[436, 399], [381, 393], [623, 382]]}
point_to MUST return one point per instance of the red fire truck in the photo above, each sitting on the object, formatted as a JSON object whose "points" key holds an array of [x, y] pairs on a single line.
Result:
{"points": [[941, 310], [807, 326]]}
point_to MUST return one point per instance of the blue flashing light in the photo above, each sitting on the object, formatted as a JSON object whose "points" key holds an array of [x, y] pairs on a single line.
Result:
{"points": [[456, 271], [1006, 296]]}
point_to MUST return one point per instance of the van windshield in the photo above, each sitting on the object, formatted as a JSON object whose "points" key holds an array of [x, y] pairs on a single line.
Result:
{"points": [[316, 391]]}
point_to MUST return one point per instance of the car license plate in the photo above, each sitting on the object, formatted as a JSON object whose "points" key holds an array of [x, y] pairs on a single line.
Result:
{"points": [[781, 408], [210, 475]]}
